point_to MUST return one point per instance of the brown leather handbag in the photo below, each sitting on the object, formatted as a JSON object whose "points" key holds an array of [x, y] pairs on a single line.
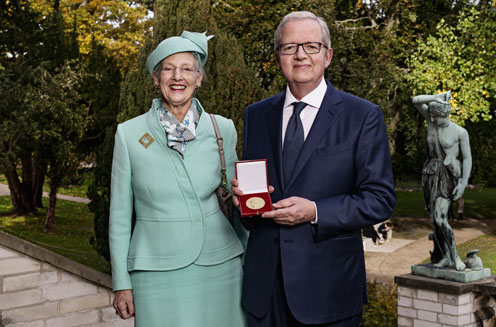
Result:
{"points": [[223, 195]]}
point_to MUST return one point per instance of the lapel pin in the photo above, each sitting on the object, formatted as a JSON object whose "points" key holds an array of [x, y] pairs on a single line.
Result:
{"points": [[146, 140]]}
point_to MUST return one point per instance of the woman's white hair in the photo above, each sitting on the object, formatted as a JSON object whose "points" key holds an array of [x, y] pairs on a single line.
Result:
{"points": [[299, 15]]}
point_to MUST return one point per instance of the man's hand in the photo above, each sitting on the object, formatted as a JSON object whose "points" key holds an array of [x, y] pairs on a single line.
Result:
{"points": [[237, 191], [292, 211], [123, 304]]}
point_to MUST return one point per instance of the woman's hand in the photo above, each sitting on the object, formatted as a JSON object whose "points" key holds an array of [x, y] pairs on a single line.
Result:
{"points": [[123, 304]]}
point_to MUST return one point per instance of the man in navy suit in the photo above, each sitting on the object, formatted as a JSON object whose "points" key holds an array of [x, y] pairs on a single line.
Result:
{"points": [[330, 170]]}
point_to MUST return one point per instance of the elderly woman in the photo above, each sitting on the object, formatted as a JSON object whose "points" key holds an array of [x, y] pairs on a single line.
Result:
{"points": [[179, 265]]}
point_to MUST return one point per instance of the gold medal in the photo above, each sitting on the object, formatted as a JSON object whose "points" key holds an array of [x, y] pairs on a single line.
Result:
{"points": [[255, 203]]}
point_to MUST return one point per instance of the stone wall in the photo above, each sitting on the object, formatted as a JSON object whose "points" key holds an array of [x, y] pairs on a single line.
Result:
{"points": [[41, 289], [429, 302]]}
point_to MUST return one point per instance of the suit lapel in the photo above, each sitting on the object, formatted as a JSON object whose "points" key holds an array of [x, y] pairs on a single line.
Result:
{"points": [[328, 113], [274, 125]]}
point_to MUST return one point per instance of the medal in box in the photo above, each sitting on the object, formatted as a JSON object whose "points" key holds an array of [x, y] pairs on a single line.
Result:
{"points": [[254, 182]]}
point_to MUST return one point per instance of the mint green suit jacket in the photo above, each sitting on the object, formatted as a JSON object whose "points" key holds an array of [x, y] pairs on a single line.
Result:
{"points": [[178, 219]]}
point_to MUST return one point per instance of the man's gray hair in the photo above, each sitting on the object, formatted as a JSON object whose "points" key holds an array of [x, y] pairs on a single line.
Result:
{"points": [[299, 15]]}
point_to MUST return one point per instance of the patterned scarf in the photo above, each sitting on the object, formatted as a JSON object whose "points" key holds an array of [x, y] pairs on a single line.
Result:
{"points": [[179, 133]]}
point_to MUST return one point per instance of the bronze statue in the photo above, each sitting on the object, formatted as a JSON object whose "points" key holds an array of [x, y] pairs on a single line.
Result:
{"points": [[444, 177]]}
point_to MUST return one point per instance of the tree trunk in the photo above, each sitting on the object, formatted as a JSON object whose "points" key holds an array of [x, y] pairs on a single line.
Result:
{"points": [[393, 127], [20, 192], [39, 172], [52, 200]]}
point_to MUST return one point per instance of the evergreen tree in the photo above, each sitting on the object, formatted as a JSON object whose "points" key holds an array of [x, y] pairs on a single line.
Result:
{"points": [[19, 49], [101, 89], [29, 40], [41, 115], [61, 120], [229, 86]]}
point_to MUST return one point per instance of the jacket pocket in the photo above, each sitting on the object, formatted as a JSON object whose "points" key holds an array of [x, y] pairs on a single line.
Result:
{"points": [[333, 149], [159, 239]]}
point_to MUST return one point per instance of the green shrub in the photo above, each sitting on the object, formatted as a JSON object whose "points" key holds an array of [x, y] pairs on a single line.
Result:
{"points": [[381, 310]]}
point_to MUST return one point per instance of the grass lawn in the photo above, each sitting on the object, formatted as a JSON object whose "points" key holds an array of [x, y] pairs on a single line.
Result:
{"points": [[72, 190], [411, 221], [486, 244], [73, 228], [479, 203]]}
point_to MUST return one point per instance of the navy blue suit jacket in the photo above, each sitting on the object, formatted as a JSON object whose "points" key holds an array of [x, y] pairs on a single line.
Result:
{"points": [[345, 167]]}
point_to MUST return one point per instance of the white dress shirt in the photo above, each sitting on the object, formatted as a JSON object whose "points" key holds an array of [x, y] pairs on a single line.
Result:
{"points": [[313, 100]]}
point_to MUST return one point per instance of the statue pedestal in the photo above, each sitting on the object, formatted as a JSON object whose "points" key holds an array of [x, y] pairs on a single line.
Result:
{"points": [[429, 302], [465, 276]]}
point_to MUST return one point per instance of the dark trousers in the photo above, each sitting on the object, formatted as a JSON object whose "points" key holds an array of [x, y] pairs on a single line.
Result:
{"points": [[279, 314]]}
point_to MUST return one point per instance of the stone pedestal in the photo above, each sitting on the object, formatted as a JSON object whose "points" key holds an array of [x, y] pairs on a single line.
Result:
{"points": [[464, 276], [429, 302]]}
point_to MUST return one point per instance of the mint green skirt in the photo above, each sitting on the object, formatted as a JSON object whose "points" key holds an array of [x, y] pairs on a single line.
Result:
{"points": [[194, 296]]}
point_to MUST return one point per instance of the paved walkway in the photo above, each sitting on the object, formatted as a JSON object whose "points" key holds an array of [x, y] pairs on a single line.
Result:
{"points": [[4, 190], [383, 266]]}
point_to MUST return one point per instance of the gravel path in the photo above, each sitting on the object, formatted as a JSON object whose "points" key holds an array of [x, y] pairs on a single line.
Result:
{"points": [[4, 190], [384, 266]]}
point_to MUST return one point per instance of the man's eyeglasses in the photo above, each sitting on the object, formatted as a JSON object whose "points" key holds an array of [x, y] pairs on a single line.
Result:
{"points": [[308, 47]]}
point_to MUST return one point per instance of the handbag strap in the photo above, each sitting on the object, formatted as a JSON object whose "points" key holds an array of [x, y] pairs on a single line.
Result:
{"points": [[220, 143]]}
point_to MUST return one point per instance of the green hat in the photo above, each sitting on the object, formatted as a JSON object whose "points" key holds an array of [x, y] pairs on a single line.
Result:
{"points": [[193, 42]]}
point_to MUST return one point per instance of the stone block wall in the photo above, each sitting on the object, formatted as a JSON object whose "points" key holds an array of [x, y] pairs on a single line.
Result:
{"points": [[35, 293], [429, 302], [423, 308]]}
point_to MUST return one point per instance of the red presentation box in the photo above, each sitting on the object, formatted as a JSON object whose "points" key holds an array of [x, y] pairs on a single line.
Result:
{"points": [[253, 180]]}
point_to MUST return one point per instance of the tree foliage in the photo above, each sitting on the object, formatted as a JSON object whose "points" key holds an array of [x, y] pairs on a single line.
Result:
{"points": [[58, 120], [253, 23], [43, 117], [460, 58], [100, 91], [121, 27]]}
